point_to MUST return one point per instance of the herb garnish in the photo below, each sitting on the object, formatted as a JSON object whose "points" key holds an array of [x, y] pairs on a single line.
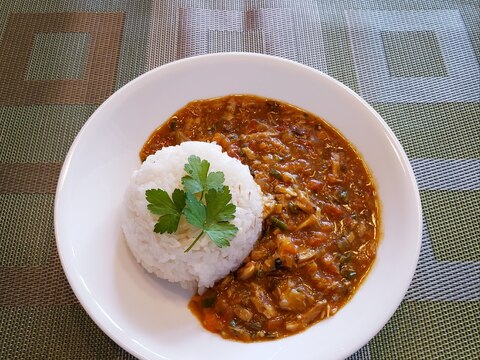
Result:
{"points": [[205, 202]]}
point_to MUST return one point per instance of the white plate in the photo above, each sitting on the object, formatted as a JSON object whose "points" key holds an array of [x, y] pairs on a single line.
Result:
{"points": [[149, 317]]}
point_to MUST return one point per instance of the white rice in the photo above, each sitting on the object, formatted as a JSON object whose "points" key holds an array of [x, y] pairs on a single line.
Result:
{"points": [[163, 254]]}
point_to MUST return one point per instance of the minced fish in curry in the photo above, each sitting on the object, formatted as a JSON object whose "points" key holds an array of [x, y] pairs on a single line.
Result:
{"points": [[321, 225]]}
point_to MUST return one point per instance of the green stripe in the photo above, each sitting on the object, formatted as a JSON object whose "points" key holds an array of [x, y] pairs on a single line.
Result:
{"points": [[40, 133], [26, 229], [413, 54], [452, 219], [58, 56], [339, 54], [430, 330], [27, 334], [435, 131]]}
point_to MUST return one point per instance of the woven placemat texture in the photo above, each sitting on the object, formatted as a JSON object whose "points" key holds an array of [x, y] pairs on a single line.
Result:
{"points": [[416, 62]]}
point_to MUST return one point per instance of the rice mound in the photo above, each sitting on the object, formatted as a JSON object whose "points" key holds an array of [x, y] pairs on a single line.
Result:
{"points": [[163, 254]]}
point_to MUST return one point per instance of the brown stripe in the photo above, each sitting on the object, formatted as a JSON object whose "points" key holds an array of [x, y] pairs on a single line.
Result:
{"points": [[98, 82], [29, 178], [36, 286]]}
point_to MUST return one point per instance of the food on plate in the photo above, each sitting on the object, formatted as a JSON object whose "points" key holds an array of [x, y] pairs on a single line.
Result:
{"points": [[160, 235], [320, 227]]}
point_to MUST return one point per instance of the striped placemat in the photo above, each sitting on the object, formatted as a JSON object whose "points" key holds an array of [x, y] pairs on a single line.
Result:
{"points": [[415, 62]]}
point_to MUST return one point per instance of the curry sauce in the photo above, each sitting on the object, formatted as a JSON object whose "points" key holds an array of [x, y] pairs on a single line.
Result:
{"points": [[320, 230]]}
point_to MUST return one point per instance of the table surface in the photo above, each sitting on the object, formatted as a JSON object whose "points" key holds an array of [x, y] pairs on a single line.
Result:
{"points": [[415, 62]]}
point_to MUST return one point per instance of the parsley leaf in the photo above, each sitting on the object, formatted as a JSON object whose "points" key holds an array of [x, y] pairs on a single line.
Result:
{"points": [[219, 207], [211, 215], [221, 233], [178, 197], [198, 179], [215, 180], [167, 224], [169, 210], [195, 211]]}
